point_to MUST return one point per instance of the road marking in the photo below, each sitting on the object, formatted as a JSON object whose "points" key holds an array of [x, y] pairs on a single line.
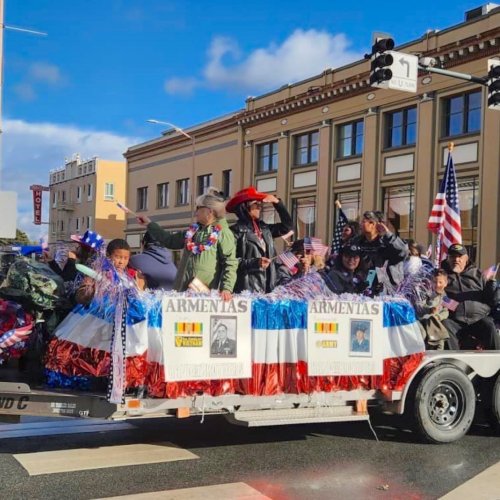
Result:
{"points": [[484, 486], [51, 462], [229, 491], [56, 427]]}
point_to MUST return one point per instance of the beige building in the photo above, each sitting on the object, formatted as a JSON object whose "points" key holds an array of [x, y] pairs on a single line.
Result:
{"points": [[335, 137], [83, 196]]}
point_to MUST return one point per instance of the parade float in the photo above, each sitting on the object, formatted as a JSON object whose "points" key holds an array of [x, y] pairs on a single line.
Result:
{"points": [[298, 355]]}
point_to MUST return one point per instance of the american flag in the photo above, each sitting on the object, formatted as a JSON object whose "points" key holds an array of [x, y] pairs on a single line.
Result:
{"points": [[14, 336], [289, 260], [337, 233], [445, 214], [313, 245]]}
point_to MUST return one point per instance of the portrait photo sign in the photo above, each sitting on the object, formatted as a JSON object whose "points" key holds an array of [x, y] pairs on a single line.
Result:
{"points": [[345, 338], [206, 338]]}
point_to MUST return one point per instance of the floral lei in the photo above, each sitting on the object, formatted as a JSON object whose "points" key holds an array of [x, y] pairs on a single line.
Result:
{"points": [[197, 248]]}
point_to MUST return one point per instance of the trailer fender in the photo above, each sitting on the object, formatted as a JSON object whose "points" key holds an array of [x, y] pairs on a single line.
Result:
{"points": [[473, 363]]}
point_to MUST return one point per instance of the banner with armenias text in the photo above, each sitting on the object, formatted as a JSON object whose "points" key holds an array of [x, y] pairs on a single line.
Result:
{"points": [[206, 338], [345, 338]]}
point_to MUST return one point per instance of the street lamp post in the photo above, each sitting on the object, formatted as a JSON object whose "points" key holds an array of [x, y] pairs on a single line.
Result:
{"points": [[193, 154]]}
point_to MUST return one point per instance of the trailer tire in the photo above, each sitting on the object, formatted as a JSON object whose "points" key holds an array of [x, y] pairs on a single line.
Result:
{"points": [[444, 406]]}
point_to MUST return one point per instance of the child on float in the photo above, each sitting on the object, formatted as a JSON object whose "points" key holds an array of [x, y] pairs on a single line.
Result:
{"points": [[118, 254], [432, 311]]}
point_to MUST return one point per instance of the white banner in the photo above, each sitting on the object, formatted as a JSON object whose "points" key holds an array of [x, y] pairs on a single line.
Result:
{"points": [[206, 338], [345, 338]]}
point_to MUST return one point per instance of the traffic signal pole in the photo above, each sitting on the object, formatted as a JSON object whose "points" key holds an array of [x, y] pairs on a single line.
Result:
{"points": [[454, 74]]}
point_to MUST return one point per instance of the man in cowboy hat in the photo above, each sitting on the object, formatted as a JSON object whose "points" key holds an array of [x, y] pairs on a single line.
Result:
{"points": [[469, 324], [257, 271], [222, 345]]}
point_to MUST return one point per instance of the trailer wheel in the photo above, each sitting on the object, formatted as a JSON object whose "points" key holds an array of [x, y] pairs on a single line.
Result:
{"points": [[445, 403]]}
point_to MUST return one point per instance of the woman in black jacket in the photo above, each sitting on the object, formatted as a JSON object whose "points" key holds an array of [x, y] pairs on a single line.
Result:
{"points": [[258, 270]]}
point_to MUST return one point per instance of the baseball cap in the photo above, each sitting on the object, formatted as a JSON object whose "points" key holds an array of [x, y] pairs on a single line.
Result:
{"points": [[353, 250], [457, 248]]}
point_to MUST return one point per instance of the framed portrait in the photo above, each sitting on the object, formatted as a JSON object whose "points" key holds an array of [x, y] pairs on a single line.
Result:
{"points": [[360, 339], [223, 337]]}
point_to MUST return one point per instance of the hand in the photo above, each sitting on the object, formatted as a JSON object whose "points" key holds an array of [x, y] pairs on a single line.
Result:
{"points": [[144, 220], [46, 257], [226, 295], [270, 198], [264, 262], [382, 228]]}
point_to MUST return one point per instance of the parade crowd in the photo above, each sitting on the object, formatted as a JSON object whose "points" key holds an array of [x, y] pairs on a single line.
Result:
{"points": [[456, 303]]}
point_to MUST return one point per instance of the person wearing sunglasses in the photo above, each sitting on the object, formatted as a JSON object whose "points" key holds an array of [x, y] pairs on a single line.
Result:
{"points": [[381, 248], [258, 270], [208, 259]]}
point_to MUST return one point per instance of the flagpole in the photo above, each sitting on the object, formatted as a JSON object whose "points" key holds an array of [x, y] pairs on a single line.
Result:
{"points": [[439, 251]]}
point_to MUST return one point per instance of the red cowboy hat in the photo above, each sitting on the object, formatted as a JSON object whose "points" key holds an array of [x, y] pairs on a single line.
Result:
{"points": [[247, 194]]}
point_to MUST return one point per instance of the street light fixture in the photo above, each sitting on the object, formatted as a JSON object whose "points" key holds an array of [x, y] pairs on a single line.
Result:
{"points": [[193, 154]]}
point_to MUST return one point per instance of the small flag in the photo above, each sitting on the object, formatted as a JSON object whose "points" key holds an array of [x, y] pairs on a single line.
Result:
{"points": [[14, 336], [289, 260], [491, 272], [428, 254], [337, 233], [450, 304]]}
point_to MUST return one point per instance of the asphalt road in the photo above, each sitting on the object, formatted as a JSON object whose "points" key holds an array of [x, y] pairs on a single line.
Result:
{"points": [[322, 461]]}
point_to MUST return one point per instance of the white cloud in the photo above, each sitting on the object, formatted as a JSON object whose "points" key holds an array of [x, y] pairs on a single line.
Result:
{"points": [[31, 150], [303, 54], [181, 86], [25, 91], [46, 73]]}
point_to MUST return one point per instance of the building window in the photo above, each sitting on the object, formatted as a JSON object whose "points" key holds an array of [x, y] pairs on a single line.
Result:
{"points": [[79, 170], [304, 216], [183, 194], [162, 195], [468, 193], [267, 157], [109, 191], [77, 223], [79, 194], [61, 225], [401, 128], [54, 199], [53, 227], [350, 139], [399, 207], [462, 114], [306, 148], [89, 192], [142, 198], [89, 222], [63, 196], [227, 183], [351, 204], [204, 182]]}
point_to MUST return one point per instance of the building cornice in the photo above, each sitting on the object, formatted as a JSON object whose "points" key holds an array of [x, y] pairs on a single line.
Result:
{"points": [[453, 54]]}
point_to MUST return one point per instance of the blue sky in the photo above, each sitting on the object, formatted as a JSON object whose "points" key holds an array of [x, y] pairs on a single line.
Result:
{"points": [[108, 65]]}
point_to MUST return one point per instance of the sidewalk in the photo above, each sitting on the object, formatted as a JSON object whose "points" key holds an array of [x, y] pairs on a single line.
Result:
{"points": [[484, 486]]}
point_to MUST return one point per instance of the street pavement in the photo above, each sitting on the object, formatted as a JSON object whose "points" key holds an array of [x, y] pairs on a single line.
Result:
{"points": [[170, 458]]}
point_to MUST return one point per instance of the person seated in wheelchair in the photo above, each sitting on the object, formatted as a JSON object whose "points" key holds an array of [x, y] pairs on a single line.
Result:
{"points": [[470, 325]]}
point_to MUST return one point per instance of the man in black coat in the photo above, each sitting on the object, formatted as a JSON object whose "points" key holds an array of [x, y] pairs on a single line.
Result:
{"points": [[469, 324], [258, 270]]}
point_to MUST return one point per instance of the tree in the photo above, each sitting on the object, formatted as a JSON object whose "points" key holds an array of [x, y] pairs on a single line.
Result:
{"points": [[20, 239]]}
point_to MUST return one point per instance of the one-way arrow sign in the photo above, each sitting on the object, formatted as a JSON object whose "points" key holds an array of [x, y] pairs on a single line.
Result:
{"points": [[404, 73]]}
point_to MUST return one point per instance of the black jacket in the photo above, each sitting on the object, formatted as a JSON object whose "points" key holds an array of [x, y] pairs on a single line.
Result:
{"points": [[248, 250], [155, 263], [340, 280], [68, 273], [388, 247], [475, 295]]}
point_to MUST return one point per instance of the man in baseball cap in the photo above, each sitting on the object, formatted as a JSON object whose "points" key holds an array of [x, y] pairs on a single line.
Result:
{"points": [[469, 324]]}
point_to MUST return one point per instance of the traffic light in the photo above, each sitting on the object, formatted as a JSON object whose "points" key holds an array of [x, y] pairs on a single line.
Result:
{"points": [[381, 62], [494, 84]]}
